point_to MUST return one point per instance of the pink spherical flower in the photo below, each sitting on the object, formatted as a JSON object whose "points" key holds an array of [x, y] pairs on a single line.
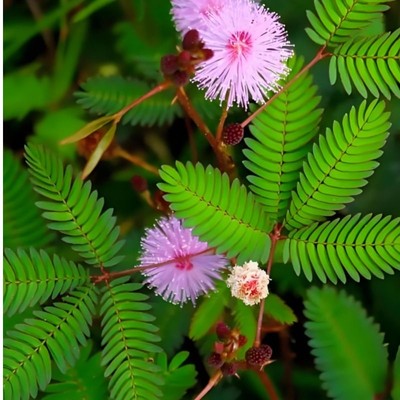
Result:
{"points": [[188, 268], [248, 283], [250, 51], [192, 14]]}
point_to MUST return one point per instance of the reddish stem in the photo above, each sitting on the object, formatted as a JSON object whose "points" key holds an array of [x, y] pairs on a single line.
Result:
{"points": [[159, 88], [221, 123], [107, 276], [318, 57], [269, 387], [211, 383]]}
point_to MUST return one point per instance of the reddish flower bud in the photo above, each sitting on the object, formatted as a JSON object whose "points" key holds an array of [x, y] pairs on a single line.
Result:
{"points": [[207, 54], [180, 78], [215, 360], [191, 40], [169, 64], [242, 340], [232, 134], [184, 58], [258, 356], [222, 330], [139, 183], [229, 368]]}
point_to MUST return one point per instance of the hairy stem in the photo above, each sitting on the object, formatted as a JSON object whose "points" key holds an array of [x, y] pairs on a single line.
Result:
{"points": [[318, 57]]}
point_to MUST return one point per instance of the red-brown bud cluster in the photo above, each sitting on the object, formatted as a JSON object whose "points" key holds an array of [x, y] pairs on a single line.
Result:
{"points": [[224, 355], [179, 68]]}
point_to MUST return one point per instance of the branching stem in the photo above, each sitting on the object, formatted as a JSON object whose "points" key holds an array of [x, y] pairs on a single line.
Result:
{"points": [[318, 57], [211, 383]]}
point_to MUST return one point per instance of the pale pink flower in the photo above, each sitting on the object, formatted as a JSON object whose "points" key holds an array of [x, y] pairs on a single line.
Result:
{"points": [[248, 283], [188, 268], [191, 14], [250, 51]]}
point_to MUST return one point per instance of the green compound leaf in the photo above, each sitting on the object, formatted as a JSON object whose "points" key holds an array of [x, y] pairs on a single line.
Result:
{"points": [[55, 334], [335, 21], [107, 95], [369, 64], [33, 278], [23, 226], [353, 246], [73, 209], [276, 308], [223, 214], [84, 381], [339, 164], [178, 378], [347, 345], [209, 312], [128, 337], [282, 135]]}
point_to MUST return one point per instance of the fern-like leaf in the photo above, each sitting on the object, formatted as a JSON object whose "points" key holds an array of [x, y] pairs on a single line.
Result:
{"points": [[33, 278], [55, 334], [107, 95], [74, 209], [347, 344], [282, 133], [339, 165], [353, 246], [335, 21], [23, 226], [128, 339], [84, 381], [369, 64], [224, 215]]}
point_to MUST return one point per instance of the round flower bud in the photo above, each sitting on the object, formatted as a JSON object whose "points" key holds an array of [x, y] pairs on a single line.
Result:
{"points": [[169, 64], [222, 330], [232, 134], [229, 368], [191, 40], [180, 78], [258, 356], [215, 360]]}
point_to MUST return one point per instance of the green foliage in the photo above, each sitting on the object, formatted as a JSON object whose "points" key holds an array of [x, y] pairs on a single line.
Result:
{"points": [[33, 278], [336, 21], [22, 224], [74, 210], [84, 381], [347, 345], [396, 377], [276, 308], [370, 63], [107, 95], [282, 133], [208, 312], [56, 332], [339, 164], [128, 336], [246, 321], [223, 214], [178, 378], [353, 246]]}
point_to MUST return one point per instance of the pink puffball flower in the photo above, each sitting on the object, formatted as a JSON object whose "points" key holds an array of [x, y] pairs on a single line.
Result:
{"points": [[188, 267], [250, 51], [248, 283], [191, 14]]}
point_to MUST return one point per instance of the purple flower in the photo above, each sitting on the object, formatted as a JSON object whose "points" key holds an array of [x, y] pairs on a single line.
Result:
{"points": [[190, 14], [188, 267], [250, 50]]}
